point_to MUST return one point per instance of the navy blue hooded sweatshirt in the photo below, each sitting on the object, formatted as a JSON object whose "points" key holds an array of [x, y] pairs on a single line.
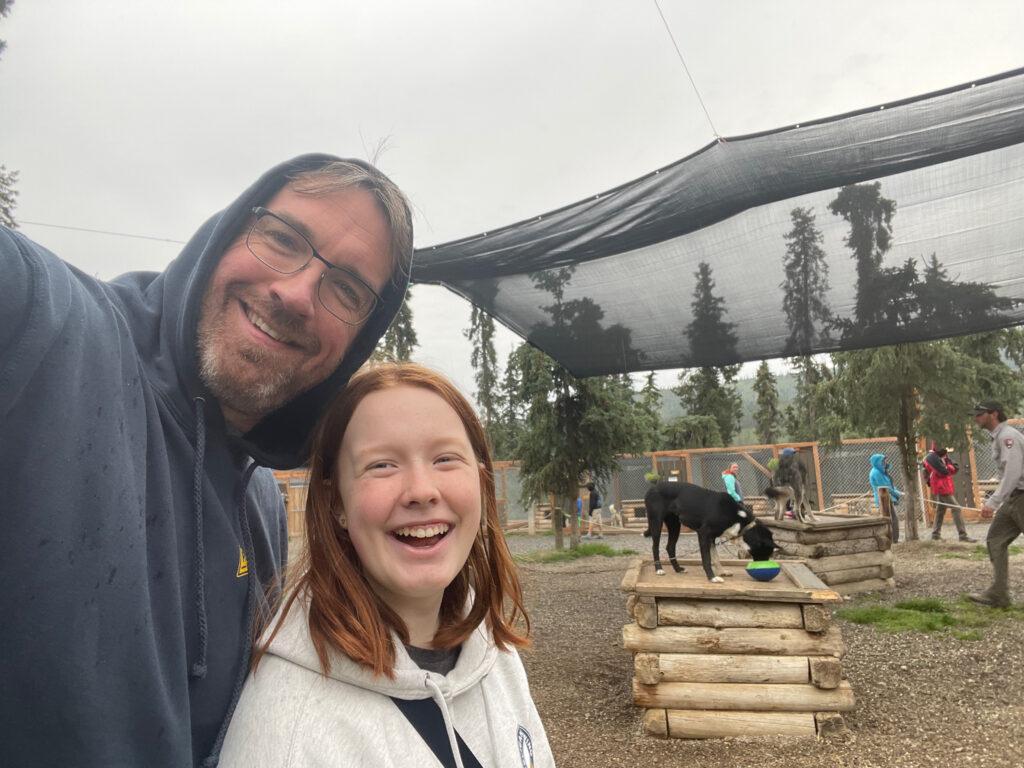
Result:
{"points": [[136, 545]]}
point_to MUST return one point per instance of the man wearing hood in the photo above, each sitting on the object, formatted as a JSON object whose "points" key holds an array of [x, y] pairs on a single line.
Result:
{"points": [[1006, 504], [144, 533]]}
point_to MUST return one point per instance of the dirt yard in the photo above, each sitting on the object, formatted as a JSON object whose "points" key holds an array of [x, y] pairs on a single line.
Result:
{"points": [[922, 700]]}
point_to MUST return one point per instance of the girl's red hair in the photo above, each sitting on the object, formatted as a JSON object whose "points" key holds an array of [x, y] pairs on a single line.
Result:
{"points": [[344, 613]]}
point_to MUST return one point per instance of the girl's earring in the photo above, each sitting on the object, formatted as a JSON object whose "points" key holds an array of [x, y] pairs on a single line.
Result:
{"points": [[343, 521]]}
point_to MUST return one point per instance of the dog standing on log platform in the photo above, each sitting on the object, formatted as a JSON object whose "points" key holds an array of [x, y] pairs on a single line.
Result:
{"points": [[712, 515]]}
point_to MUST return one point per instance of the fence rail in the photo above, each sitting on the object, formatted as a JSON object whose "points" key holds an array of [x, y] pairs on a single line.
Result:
{"points": [[838, 479]]}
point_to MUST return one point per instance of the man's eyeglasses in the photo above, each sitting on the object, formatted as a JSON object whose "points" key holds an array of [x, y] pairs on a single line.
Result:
{"points": [[284, 249]]}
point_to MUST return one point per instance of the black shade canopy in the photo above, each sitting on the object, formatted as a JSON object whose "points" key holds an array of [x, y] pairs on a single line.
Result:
{"points": [[901, 222]]}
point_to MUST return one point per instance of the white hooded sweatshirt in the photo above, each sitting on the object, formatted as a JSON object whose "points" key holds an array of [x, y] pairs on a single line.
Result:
{"points": [[291, 716]]}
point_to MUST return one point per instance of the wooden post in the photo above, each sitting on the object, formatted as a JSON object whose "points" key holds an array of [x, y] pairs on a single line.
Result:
{"points": [[975, 490], [817, 475], [885, 505]]}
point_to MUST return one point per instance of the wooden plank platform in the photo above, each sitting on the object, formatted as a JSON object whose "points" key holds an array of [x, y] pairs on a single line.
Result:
{"points": [[796, 583]]}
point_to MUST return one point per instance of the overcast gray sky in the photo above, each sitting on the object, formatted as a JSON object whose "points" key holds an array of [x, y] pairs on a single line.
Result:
{"points": [[144, 118]]}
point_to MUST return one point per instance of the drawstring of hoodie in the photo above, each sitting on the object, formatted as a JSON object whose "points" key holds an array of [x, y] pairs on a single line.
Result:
{"points": [[198, 670], [198, 553], [438, 697], [250, 604]]}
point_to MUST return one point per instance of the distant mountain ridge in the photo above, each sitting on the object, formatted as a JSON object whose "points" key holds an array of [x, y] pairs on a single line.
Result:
{"points": [[785, 383]]}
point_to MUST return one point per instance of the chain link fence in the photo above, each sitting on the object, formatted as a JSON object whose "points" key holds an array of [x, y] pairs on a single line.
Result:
{"points": [[838, 477]]}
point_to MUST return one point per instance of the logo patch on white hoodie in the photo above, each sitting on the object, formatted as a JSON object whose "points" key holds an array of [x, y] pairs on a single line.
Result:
{"points": [[525, 747]]}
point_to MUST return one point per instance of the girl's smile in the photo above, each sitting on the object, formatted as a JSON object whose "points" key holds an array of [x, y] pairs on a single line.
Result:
{"points": [[410, 497]]}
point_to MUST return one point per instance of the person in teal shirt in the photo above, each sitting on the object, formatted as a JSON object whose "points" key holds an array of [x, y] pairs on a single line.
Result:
{"points": [[732, 482]]}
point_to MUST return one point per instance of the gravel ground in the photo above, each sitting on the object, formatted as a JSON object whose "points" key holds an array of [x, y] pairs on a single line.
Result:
{"points": [[922, 700]]}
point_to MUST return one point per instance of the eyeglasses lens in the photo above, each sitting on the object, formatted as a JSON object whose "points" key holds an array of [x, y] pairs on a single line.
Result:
{"points": [[284, 250], [278, 245]]}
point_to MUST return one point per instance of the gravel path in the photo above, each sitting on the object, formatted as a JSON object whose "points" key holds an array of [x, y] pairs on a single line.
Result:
{"points": [[922, 700]]}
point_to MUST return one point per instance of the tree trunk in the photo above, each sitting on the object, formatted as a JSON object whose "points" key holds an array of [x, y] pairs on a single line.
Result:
{"points": [[556, 525], [906, 439], [574, 523]]}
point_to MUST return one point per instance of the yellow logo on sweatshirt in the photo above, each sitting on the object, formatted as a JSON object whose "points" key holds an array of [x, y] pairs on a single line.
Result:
{"points": [[243, 564]]}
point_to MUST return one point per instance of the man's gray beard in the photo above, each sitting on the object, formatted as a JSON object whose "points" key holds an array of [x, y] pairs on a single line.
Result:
{"points": [[274, 388]]}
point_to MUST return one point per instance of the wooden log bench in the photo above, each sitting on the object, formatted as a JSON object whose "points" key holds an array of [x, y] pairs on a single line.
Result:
{"points": [[742, 657]]}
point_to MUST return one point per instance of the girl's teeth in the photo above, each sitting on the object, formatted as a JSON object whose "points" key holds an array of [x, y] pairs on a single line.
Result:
{"points": [[424, 532]]}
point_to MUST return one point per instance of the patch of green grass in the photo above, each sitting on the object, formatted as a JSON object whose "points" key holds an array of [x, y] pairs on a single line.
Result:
{"points": [[978, 552], [564, 555], [894, 620], [923, 604], [971, 635], [962, 619]]}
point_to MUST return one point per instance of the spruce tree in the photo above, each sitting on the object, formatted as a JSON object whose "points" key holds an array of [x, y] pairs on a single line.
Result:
{"points": [[870, 218], [7, 197], [399, 341], [711, 390], [484, 360], [766, 417], [806, 284]]}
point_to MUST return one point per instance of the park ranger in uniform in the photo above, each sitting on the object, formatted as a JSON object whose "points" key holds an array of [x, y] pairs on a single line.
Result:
{"points": [[1007, 501]]}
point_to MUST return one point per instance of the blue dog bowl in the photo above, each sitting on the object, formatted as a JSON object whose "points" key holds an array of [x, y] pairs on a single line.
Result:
{"points": [[764, 570]]}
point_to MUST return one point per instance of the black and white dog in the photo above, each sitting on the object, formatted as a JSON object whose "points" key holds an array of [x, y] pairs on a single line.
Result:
{"points": [[712, 515], [789, 487]]}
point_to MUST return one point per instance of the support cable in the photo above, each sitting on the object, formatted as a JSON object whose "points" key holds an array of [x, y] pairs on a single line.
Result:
{"points": [[688, 75]]}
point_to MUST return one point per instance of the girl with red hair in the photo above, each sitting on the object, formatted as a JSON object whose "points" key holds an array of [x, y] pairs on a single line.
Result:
{"points": [[396, 643]]}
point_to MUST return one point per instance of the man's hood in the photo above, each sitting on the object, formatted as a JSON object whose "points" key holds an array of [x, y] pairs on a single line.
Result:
{"points": [[878, 461], [166, 310]]}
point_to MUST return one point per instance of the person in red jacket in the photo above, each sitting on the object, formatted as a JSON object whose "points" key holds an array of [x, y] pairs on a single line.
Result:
{"points": [[939, 469]]}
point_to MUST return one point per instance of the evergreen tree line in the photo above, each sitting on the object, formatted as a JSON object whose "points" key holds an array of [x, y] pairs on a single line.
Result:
{"points": [[563, 430]]}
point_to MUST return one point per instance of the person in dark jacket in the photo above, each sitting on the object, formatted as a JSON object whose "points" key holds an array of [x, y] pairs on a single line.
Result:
{"points": [[144, 533], [939, 469], [594, 513]]}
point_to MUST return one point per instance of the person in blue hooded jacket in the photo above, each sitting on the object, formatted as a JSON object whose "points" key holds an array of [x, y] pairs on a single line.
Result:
{"points": [[879, 477], [144, 533]]}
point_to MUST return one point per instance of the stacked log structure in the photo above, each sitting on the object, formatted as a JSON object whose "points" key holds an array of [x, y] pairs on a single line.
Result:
{"points": [[739, 658], [849, 554]]}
